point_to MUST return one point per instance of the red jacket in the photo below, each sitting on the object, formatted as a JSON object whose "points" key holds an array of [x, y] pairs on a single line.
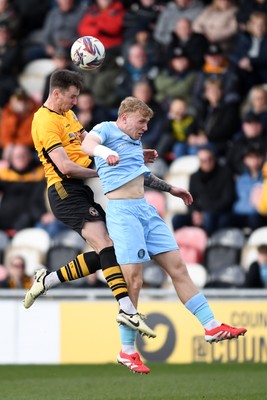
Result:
{"points": [[104, 24]]}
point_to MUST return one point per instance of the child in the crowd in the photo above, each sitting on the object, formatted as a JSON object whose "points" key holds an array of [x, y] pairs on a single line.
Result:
{"points": [[175, 130]]}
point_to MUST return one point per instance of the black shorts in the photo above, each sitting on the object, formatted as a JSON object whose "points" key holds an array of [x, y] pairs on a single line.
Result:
{"points": [[73, 204]]}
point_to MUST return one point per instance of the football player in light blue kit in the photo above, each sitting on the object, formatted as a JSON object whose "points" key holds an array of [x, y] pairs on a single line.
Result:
{"points": [[135, 227]]}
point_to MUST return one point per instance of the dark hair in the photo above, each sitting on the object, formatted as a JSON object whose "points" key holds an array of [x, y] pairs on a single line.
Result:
{"points": [[253, 149], [262, 248], [64, 78]]}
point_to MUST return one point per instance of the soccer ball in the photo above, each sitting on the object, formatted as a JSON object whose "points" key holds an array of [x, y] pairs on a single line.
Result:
{"points": [[88, 53]]}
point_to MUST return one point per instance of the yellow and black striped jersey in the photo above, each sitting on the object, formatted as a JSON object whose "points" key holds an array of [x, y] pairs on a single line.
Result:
{"points": [[51, 130]]}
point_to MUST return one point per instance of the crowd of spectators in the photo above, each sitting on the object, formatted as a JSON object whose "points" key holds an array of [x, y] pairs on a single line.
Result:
{"points": [[200, 65]]}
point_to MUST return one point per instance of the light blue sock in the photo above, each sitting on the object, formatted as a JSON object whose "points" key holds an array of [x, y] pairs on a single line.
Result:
{"points": [[199, 306], [127, 335]]}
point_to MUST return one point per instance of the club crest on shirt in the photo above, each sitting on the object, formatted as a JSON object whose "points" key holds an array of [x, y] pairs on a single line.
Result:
{"points": [[141, 253], [75, 136], [93, 212]]}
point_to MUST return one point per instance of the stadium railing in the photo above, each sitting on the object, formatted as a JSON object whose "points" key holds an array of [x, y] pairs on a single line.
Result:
{"points": [[146, 294]]}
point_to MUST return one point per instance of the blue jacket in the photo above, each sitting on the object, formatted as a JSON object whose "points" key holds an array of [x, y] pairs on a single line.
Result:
{"points": [[244, 184]]}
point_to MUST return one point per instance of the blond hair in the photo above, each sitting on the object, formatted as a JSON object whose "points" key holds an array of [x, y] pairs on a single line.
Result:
{"points": [[216, 6], [132, 104]]}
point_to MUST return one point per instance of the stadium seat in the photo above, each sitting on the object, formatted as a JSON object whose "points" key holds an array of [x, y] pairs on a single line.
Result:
{"points": [[158, 200], [227, 276], [31, 243], [249, 251], [32, 78], [159, 167], [179, 174], [36, 238], [224, 249], [184, 165], [176, 205], [228, 237], [198, 274], [192, 242], [69, 238], [258, 237], [153, 275], [34, 259], [60, 255]]}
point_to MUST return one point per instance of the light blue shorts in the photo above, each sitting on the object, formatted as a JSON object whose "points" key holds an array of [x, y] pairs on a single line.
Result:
{"points": [[137, 230]]}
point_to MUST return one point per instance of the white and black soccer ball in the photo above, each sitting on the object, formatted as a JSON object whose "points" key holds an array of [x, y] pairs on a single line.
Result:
{"points": [[88, 53]]}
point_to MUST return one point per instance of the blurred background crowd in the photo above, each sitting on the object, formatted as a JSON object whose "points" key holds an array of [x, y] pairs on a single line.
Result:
{"points": [[201, 66]]}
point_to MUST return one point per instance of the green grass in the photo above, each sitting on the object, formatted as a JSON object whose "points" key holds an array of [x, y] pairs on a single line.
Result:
{"points": [[113, 382]]}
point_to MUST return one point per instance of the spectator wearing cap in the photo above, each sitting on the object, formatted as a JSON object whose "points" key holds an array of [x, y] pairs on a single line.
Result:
{"points": [[217, 22], [217, 66], [193, 44], [245, 213], [176, 79], [174, 11], [249, 53], [213, 191], [252, 135]]}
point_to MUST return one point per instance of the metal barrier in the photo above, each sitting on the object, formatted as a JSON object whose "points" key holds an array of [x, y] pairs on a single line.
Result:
{"points": [[146, 294]]}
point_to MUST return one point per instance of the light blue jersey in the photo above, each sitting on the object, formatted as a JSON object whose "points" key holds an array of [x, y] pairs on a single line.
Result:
{"points": [[137, 230], [131, 155]]}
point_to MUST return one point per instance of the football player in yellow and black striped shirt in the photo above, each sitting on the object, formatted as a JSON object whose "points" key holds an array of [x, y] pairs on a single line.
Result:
{"points": [[57, 136]]}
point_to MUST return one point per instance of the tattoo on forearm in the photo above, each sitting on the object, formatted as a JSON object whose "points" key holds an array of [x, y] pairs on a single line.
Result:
{"points": [[154, 182]]}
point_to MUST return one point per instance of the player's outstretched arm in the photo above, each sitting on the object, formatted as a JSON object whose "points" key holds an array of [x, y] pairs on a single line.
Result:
{"points": [[92, 146], [156, 183]]}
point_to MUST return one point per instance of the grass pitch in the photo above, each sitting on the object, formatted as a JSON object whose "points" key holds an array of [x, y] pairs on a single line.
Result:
{"points": [[114, 382]]}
